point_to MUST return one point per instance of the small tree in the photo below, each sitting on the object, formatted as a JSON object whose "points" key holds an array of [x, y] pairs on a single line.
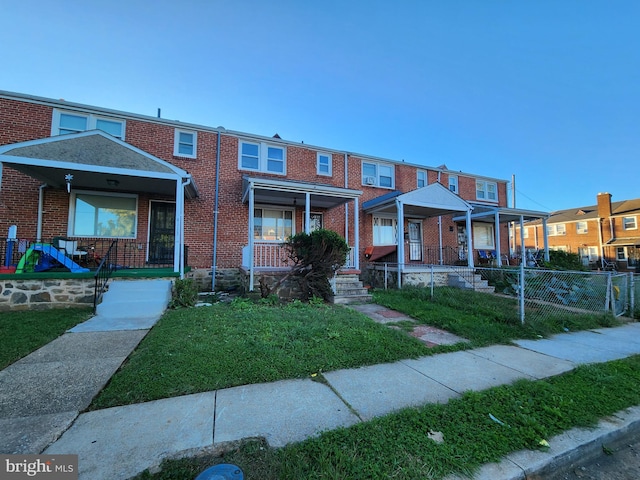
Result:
{"points": [[316, 257]]}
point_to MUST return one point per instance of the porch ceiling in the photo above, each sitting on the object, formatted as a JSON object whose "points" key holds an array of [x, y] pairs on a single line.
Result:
{"points": [[506, 215], [97, 161], [289, 193], [429, 201]]}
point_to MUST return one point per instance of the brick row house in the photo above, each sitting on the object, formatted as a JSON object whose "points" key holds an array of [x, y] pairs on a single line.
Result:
{"points": [[604, 235], [220, 202]]}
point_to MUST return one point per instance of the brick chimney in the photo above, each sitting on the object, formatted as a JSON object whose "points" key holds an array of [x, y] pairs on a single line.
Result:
{"points": [[604, 205]]}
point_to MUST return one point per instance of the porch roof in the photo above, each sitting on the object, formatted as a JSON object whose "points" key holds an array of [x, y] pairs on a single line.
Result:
{"points": [[429, 201], [624, 241], [505, 215], [97, 161], [291, 192]]}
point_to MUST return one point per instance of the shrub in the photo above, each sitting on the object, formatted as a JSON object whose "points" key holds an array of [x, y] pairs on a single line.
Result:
{"points": [[184, 293], [559, 260]]}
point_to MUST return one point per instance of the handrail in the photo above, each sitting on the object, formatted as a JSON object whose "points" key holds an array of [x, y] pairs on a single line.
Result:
{"points": [[103, 273]]}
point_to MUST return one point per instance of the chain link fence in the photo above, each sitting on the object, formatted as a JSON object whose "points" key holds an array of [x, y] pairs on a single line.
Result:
{"points": [[535, 292]]}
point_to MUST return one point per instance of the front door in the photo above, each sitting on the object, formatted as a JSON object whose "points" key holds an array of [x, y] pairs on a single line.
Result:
{"points": [[415, 241], [162, 232]]}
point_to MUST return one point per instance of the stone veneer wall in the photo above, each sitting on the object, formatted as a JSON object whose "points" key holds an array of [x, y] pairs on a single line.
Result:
{"points": [[226, 279], [374, 277], [40, 294]]}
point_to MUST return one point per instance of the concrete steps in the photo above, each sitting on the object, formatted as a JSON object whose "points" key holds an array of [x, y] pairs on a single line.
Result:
{"points": [[348, 289], [469, 281]]}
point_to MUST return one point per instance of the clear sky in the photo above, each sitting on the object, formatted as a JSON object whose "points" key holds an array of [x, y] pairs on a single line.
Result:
{"points": [[546, 90]]}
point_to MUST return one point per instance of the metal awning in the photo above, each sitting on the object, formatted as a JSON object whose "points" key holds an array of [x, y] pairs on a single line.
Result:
{"points": [[291, 192], [624, 241], [97, 161]]}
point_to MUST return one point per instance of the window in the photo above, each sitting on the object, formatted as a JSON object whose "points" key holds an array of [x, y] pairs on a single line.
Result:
{"points": [[486, 190], [526, 232], [422, 178], [324, 164], [483, 235], [103, 215], [262, 157], [185, 144], [556, 229], [581, 228], [385, 231], [629, 223], [377, 175], [621, 254], [66, 122], [453, 183], [272, 224], [316, 221]]}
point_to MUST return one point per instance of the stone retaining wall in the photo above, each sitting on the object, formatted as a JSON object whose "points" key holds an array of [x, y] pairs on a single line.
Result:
{"points": [[40, 294]]}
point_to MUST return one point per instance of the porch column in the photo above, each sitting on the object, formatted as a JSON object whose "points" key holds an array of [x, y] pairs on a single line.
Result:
{"points": [[178, 242], [356, 234], [250, 239], [469, 240], [400, 240], [497, 235], [523, 251], [307, 213], [545, 236]]}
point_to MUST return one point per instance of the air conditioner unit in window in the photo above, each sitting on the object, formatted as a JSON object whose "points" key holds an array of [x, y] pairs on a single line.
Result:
{"points": [[370, 180]]}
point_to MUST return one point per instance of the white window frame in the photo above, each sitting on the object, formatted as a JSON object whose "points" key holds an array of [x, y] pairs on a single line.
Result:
{"points": [[72, 212], [629, 223], [486, 191], [483, 236], [373, 180], [453, 183], [277, 208], [526, 232], [556, 229], [377, 237], [421, 177], [621, 254], [177, 143], [91, 122], [329, 164], [582, 227], [263, 157]]}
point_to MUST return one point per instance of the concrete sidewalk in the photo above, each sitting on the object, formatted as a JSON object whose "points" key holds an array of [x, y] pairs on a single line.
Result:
{"points": [[119, 442]]}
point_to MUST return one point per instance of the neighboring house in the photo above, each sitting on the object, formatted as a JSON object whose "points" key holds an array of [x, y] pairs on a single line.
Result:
{"points": [[230, 198], [603, 235]]}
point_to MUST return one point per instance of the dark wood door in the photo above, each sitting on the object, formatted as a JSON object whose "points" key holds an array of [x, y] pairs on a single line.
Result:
{"points": [[162, 232]]}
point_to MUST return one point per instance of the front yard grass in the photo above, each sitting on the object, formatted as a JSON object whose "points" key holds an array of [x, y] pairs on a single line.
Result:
{"points": [[23, 332]]}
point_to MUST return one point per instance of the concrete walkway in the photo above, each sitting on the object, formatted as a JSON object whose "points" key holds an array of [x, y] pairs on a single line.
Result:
{"points": [[119, 442]]}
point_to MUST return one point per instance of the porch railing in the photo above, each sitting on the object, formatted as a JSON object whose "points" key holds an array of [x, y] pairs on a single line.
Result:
{"points": [[130, 253], [274, 255], [103, 273]]}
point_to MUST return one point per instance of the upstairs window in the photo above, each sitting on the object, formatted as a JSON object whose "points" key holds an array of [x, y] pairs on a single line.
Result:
{"points": [[67, 122], [185, 143], [422, 178], [324, 164], [262, 157], [377, 175], [581, 228], [486, 190], [629, 223], [556, 229], [453, 183]]}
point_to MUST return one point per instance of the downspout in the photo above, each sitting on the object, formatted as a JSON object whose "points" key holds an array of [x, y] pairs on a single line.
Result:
{"points": [[440, 254], [601, 245], [346, 205], [185, 183], [214, 261], [40, 212]]}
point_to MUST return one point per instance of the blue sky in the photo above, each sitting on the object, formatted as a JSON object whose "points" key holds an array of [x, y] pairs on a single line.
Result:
{"points": [[548, 91]]}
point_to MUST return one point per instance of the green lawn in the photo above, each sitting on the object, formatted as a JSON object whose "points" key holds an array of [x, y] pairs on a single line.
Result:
{"points": [[23, 332]]}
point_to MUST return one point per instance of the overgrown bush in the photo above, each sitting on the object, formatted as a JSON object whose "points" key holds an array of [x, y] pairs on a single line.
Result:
{"points": [[315, 257], [559, 260], [184, 293]]}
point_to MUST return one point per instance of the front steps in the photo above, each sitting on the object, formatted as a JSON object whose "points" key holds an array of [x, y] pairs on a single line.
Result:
{"points": [[469, 281], [135, 299], [348, 289]]}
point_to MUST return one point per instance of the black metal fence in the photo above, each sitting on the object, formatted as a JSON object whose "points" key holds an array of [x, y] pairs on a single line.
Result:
{"points": [[89, 252]]}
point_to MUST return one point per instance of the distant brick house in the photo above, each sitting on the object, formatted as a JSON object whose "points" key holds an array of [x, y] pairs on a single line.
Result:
{"points": [[157, 185], [603, 235]]}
